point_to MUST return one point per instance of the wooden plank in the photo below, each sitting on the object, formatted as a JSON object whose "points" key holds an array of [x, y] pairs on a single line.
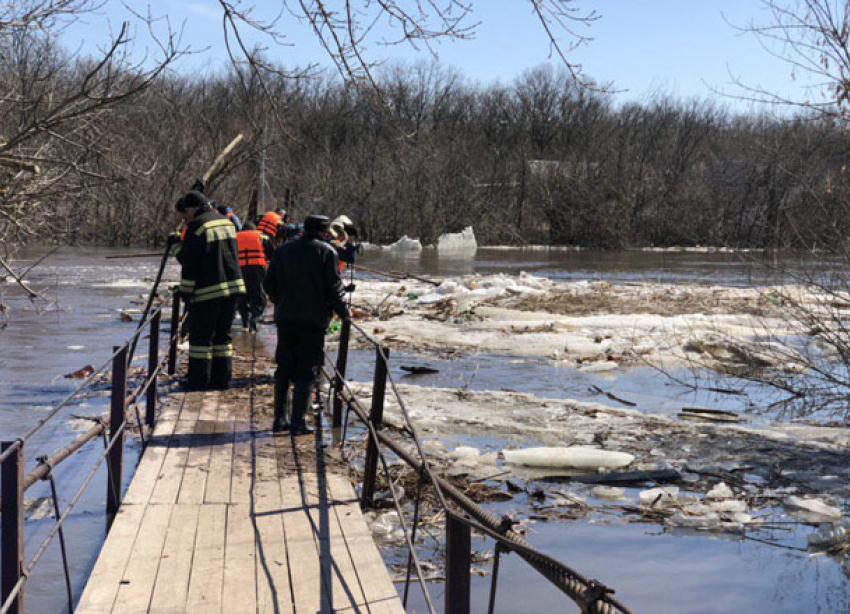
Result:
{"points": [[134, 594], [172, 579], [308, 590], [209, 408], [239, 593], [338, 572], [207, 577], [105, 579], [170, 475], [150, 465], [243, 465], [370, 567], [194, 483], [274, 594], [221, 463]]}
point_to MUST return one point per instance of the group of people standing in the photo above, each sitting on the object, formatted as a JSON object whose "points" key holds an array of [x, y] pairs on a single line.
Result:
{"points": [[229, 267]]}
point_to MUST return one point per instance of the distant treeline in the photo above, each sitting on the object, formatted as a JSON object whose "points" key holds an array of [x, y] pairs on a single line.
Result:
{"points": [[536, 161]]}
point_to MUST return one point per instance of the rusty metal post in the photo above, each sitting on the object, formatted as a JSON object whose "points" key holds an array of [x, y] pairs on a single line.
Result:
{"points": [[115, 459], [153, 363], [458, 559], [376, 417], [174, 334], [341, 364], [12, 526]]}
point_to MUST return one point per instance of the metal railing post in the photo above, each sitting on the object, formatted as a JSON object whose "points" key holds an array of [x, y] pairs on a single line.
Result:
{"points": [[115, 459], [458, 559], [341, 364], [376, 417], [12, 526], [153, 364], [174, 334]]}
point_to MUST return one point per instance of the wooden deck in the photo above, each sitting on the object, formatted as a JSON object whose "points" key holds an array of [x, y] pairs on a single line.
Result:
{"points": [[222, 516]]}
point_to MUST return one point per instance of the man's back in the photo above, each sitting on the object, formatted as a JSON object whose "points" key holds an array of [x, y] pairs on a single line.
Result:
{"points": [[304, 283]]}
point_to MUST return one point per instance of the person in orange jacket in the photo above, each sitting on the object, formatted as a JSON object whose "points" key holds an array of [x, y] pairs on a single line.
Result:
{"points": [[254, 251]]}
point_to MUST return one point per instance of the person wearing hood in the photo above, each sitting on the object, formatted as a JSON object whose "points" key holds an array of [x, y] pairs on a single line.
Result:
{"points": [[227, 211], [304, 284], [344, 239], [210, 282]]}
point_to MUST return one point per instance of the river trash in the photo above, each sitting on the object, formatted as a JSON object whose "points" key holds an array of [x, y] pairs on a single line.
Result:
{"points": [[405, 245], [812, 506], [659, 497], [38, 508], [608, 492], [575, 457], [418, 370], [630, 477], [829, 536], [709, 415], [80, 373], [458, 243], [76, 348], [719, 492], [464, 453], [126, 317]]}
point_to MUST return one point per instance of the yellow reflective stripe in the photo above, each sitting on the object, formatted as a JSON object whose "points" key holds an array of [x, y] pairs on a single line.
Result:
{"points": [[220, 294], [187, 286], [223, 350], [200, 351], [214, 224], [226, 285], [221, 234]]}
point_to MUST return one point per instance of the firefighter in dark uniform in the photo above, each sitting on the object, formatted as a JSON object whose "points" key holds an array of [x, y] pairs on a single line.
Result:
{"points": [[304, 284], [255, 250], [210, 283]]}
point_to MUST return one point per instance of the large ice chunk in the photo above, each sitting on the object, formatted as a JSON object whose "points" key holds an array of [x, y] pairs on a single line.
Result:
{"points": [[458, 243], [405, 245], [575, 457], [812, 506]]}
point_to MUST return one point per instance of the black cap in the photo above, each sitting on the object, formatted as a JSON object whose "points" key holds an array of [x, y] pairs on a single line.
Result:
{"points": [[193, 198], [316, 224]]}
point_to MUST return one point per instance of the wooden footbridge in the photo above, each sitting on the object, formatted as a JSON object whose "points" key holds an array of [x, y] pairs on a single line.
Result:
{"points": [[223, 516]]}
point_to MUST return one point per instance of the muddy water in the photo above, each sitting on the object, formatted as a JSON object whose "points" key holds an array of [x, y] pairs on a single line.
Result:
{"points": [[82, 323]]}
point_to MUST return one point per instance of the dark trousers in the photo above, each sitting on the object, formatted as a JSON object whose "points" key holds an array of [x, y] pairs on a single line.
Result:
{"points": [[299, 354], [253, 303], [210, 343]]}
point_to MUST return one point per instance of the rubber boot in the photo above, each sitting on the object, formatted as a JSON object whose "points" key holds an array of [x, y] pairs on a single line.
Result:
{"points": [[300, 403], [281, 405], [198, 374], [221, 372]]}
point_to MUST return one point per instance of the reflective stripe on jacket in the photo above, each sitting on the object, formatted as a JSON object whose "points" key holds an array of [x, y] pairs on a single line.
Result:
{"points": [[268, 225], [251, 249], [209, 258]]}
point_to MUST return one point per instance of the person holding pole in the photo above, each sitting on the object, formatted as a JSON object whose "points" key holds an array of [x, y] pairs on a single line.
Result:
{"points": [[304, 284]]}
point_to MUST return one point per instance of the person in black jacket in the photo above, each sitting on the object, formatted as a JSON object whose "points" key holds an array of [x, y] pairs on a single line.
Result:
{"points": [[304, 284], [210, 282]]}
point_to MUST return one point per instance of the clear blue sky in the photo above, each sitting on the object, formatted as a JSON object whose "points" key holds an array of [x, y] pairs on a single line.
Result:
{"points": [[681, 47]]}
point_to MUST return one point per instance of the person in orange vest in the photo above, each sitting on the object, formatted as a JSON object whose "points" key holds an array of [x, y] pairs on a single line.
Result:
{"points": [[254, 251], [271, 223]]}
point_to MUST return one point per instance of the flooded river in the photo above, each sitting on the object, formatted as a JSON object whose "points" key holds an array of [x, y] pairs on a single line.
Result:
{"points": [[652, 568]]}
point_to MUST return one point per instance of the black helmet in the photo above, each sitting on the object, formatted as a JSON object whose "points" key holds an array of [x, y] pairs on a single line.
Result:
{"points": [[193, 198], [316, 224]]}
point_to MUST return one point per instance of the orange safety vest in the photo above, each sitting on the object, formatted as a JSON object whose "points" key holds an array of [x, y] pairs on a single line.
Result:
{"points": [[251, 250], [268, 225]]}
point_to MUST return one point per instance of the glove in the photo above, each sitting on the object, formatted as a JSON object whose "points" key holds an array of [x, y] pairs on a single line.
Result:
{"points": [[173, 239], [199, 186], [350, 288]]}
